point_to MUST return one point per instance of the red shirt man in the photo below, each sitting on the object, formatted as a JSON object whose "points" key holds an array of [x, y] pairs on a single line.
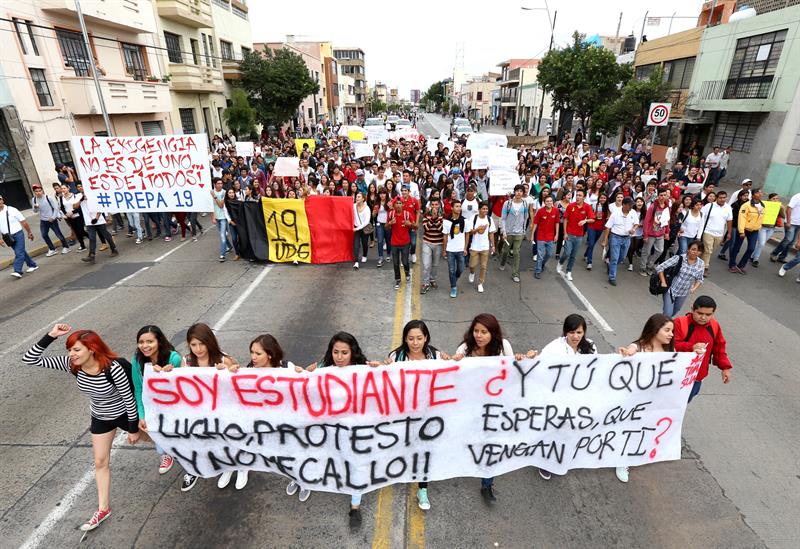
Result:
{"points": [[398, 221], [546, 221], [577, 214]]}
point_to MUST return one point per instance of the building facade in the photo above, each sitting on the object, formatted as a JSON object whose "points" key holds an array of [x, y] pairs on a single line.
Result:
{"points": [[351, 62], [232, 32], [415, 96], [746, 85], [48, 94], [476, 96], [513, 73]]}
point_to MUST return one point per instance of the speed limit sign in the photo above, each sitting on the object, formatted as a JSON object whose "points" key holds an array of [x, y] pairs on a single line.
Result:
{"points": [[659, 114]]}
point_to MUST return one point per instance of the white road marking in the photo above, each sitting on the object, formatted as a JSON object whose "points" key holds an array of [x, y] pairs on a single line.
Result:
{"points": [[66, 503], [589, 307], [117, 284]]}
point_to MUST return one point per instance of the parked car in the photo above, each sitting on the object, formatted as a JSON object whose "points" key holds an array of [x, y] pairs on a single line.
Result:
{"points": [[391, 122], [458, 122], [373, 122], [462, 130], [403, 122]]}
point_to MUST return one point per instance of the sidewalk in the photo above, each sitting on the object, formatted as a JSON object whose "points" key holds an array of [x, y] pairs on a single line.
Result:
{"points": [[34, 247]]}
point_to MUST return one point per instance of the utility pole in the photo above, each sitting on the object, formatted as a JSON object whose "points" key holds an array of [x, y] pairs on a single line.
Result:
{"points": [[94, 68], [550, 47], [641, 35]]}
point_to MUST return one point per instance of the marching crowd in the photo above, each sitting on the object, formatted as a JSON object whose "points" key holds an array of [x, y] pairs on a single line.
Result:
{"points": [[666, 221], [114, 385]]}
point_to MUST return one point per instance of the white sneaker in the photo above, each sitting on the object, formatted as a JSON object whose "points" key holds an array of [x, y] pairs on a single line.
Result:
{"points": [[65, 251], [224, 479], [355, 265], [622, 474], [304, 494], [50, 253], [413, 258], [782, 271], [569, 276], [630, 267], [292, 488], [241, 479], [558, 268], [15, 274], [364, 259], [31, 269], [471, 278], [139, 240], [480, 288]]}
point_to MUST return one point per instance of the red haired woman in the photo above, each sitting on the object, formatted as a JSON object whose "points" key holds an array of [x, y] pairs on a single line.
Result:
{"points": [[100, 374]]}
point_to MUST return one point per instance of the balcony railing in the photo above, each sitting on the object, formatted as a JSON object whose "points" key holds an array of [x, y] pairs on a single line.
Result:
{"points": [[762, 87], [193, 13], [121, 96]]}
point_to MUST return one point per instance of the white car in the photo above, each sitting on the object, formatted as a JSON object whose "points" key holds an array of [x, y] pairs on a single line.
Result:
{"points": [[391, 121], [373, 122], [403, 122], [462, 130]]}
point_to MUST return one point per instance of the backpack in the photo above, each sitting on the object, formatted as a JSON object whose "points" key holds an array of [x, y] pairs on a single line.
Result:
{"points": [[670, 273], [127, 368]]}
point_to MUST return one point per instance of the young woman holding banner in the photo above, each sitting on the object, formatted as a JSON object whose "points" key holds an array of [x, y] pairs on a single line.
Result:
{"points": [[344, 350], [152, 349], [484, 337], [656, 337], [416, 345], [100, 374], [573, 341], [204, 351], [265, 352]]}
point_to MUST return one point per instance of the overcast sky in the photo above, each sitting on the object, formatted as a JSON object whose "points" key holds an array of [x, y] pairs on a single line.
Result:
{"points": [[412, 43]]}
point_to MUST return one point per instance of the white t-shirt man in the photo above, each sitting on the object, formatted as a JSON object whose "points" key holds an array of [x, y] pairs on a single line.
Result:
{"points": [[794, 204], [622, 224], [413, 188], [469, 208], [14, 219], [480, 242], [713, 160], [455, 243], [718, 217], [88, 215]]}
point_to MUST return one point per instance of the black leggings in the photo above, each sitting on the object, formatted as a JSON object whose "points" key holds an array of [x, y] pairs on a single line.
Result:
{"points": [[360, 238]]}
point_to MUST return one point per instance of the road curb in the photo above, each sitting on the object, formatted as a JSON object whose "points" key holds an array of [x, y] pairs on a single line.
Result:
{"points": [[33, 252]]}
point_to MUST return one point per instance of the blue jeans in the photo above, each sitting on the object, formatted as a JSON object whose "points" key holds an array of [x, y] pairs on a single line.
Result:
{"points": [[751, 237], [570, 251], [455, 266], [487, 482], [617, 250], [790, 235], [544, 251], [794, 262], [44, 228], [413, 241], [672, 304], [593, 235], [222, 226], [20, 255], [683, 244], [764, 234], [383, 236], [695, 390], [133, 223]]}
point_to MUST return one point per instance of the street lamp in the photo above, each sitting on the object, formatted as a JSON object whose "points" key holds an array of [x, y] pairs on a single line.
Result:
{"points": [[552, 21]]}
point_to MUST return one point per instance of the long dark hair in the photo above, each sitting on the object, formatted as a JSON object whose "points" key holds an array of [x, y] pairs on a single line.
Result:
{"points": [[165, 348], [356, 354], [401, 352], [651, 328], [495, 346], [271, 347], [203, 333], [573, 322]]}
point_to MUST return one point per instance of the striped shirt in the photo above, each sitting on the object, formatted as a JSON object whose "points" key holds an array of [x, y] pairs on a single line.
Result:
{"points": [[432, 227], [107, 401]]}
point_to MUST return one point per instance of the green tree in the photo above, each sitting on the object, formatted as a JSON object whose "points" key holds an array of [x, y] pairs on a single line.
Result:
{"points": [[276, 82], [394, 107], [582, 77], [435, 95], [376, 106], [240, 116], [630, 109]]}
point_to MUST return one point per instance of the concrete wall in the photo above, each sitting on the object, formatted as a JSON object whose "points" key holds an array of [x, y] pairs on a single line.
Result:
{"points": [[754, 164]]}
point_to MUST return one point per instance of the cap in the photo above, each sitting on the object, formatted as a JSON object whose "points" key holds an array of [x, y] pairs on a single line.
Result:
{"points": [[406, 186], [746, 180], [359, 172], [34, 187], [59, 165]]}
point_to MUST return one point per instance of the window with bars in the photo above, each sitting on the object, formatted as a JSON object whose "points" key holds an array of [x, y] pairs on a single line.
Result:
{"points": [[679, 72], [24, 32], [239, 12], [134, 61], [737, 130], [41, 87], [224, 4], [195, 51], [753, 66], [206, 55], [643, 71], [226, 50], [245, 51], [187, 121], [61, 153], [73, 51], [173, 42]]}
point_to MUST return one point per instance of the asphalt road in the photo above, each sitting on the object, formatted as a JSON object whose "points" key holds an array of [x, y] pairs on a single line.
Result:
{"points": [[737, 484]]}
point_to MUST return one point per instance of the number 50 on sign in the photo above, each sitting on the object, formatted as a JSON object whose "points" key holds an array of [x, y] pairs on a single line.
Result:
{"points": [[658, 114]]}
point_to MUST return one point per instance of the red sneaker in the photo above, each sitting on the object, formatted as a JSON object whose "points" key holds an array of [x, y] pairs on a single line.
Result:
{"points": [[166, 464], [98, 517]]}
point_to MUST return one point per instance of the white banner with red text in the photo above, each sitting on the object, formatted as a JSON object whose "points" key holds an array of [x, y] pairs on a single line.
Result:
{"points": [[356, 429], [163, 173]]}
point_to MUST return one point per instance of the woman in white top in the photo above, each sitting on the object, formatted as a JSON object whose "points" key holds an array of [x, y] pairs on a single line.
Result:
{"points": [[573, 341], [656, 337], [691, 227], [484, 337], [482, 229], [362, 216]]}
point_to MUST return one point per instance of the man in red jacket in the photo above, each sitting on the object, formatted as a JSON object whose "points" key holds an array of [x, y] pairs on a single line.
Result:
{"points": [[699, 330]]}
